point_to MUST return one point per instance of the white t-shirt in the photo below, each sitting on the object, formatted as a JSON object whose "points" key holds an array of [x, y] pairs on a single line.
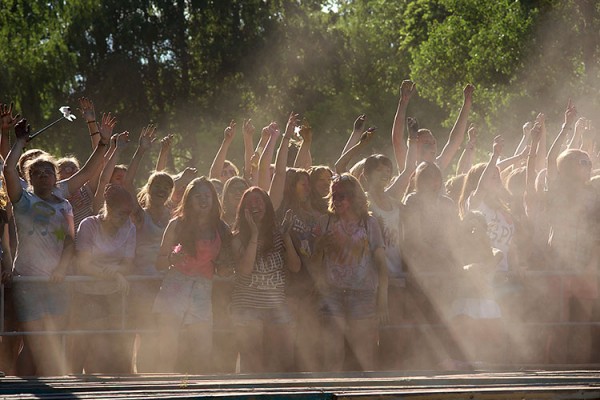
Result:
{"points": [[42, 228], [107, 250], [500, 229]]}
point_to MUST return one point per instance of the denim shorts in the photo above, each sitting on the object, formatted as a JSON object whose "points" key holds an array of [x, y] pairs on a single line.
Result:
{"points": [[186, 297], [279, 315], [349, 303], [34, 300]]}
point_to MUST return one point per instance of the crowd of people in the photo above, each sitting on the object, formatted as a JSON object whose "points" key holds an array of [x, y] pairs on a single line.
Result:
{"points": [[425, 260]]}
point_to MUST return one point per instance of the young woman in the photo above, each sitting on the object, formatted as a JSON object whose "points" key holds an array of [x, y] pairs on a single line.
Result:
{"points": [[320, 181], [351, 271], [572, 211], [195, 243], [263, 255], [431, 230], [44, 248], [224, 345], [106, 250]]}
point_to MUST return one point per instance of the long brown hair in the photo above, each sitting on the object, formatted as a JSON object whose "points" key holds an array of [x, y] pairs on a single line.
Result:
{"points": [[267, 226], [187, 226]]}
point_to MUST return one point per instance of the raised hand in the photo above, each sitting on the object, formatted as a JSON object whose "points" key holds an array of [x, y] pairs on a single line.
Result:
{"points": [[106, 127], [291, 125], [359, 123], [413, 127], [527, 126], [367, 136], [147, 137], [86, 107], [122, 140], [471, 137], [536, 133], [8, 119], [407, 88], [570, 113], [273, 129], [22, 130], [229, 132], [248, 128], [468, 92], [497, 146], [166, 142], [305, 131], [251, 223]]}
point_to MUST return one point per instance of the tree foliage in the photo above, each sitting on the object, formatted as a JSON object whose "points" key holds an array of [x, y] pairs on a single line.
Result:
{"points": [[190, 66]]}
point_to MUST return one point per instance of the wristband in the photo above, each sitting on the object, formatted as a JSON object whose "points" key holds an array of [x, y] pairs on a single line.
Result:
{"points": [[92, 121], [95, 133]]}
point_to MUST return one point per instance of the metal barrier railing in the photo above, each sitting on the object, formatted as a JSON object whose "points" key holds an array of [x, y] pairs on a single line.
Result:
{"points": [[140, 278]]}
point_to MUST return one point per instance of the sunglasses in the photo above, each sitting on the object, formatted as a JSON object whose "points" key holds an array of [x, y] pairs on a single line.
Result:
{"points": [[585, 163]]}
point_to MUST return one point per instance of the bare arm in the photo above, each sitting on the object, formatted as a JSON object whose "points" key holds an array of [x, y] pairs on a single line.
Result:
{"points": [[399, 185], [304, 158], [465, 162], [278, 183], [217, 166], [11, 176], [248, 131], [398, 142], [86, 107], [359, 124], [164, 153], [264, 163], [555, 149], [121, 141], [577, 138], [8, 121], [341, 165], [507, 162], [163, 261], [91, 168], [457, 134], [486, 176]]}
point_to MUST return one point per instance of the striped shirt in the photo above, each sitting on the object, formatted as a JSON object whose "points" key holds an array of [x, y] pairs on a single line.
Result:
{"points": [[265, 286]]}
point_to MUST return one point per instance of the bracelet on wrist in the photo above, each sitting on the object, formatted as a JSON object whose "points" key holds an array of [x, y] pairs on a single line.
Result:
{"points": [[92, 121], [101, 143], [95, 133]]}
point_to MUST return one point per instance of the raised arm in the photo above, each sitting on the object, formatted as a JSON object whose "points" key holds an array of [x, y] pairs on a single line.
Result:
{"points": [[555, 149], [407, 89], [577, 139], [8, 121], [217, 166], [516, 159], [248, 131], [341, 165], [488, 172], [398, 187], [11, 176], [164, 153], [304, 158], [536, 133], [357, 130], [264, 163], [121, 141], [147, 137], [92, 167], [278, 183], [541, 160], [525, 138], [86, 107], [466, 158], [457, 134]]}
